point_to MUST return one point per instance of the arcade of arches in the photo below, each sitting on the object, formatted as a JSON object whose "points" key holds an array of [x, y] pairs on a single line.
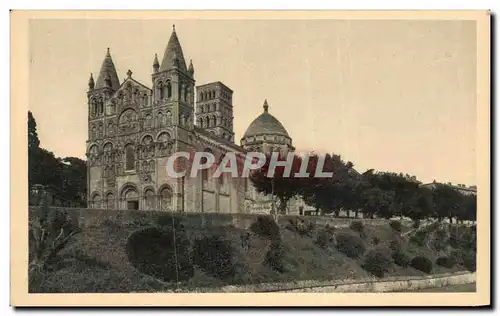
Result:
{"points": [[130, 199]]}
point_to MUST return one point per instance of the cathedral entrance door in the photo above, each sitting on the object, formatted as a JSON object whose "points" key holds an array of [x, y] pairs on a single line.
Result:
{"points": [[132, 205]]}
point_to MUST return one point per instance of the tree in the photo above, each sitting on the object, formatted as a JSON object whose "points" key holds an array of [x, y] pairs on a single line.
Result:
{"points": [[332, 193], [448, 201], [74, 177], [33, 141], [470, 208], [65, 177], [422, 204], [282, 186], [378, 202]]}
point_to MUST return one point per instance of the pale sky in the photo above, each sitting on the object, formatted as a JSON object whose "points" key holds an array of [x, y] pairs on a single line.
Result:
{"points": [[390, 95]]}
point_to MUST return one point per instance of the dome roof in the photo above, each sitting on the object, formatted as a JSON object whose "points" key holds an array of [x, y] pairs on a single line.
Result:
{"points": [[265, 124]]}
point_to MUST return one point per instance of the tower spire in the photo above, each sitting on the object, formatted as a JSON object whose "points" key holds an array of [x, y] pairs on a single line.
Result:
{"points": [[266, 106], [107, 75], [173, 55]]}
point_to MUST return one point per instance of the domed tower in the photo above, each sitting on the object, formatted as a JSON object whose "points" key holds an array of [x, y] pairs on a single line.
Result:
{"points": [[266, 134]]}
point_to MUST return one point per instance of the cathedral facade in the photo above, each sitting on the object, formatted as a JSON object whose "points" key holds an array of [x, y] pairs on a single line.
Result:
{"points": [[133, 129]]}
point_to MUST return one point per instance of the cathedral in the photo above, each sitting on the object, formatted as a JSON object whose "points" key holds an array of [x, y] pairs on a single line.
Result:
{"points": [[133, 129]]}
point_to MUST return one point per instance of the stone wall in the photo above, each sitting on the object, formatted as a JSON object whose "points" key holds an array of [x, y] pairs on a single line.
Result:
{"points": [[367, 285], [94, 217]]}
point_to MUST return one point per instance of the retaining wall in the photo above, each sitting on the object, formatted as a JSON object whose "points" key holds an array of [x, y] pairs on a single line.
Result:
{"points": [[95, 217], [367, 285]]}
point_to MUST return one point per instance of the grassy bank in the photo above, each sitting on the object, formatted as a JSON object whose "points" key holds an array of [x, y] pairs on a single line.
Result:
{"points": [[99, 258]]}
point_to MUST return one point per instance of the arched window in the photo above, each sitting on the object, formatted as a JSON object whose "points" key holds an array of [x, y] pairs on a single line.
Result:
{"points": [[149, 199], [200, 122], [148, 121], [168, 118], [108, 148], [159, 120], [213, 107], [212, 120], [207, 122], [96, 200], [186, 93], [101, 106], [205, 108], [110, 201], [166, 199], [169, 89], [129, 157], [160, 90], [93, 106]]}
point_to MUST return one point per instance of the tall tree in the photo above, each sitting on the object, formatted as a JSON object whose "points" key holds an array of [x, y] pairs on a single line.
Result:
{"points": [[448, 201], [421, 205], [469, 209], [283, 186], [333, 193], [74, 177], [33, 141], [378, 202]]}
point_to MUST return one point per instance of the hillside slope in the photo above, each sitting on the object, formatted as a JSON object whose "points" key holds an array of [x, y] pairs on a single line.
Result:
{"points": [[96, 261]]}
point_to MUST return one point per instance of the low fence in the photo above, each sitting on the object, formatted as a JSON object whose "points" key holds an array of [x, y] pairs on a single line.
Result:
{"points": [[95, 217]]}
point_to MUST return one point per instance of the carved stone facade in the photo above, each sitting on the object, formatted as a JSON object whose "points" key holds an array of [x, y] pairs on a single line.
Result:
{"points": [[133, 130]]}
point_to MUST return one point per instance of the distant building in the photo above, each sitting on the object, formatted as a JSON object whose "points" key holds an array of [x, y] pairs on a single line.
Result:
{"points": [[462, 188]]}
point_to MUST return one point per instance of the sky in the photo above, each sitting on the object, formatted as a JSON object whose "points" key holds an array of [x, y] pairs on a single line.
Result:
{"points": [[392, 95]]}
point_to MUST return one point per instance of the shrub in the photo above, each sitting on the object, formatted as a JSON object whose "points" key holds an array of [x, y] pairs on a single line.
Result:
{"points": [[395, 244], [326, 237], [416, 223], [275, 256], [266, 227], [447, 262], [357, 226], [170, 221], [458, 256], [350, 244], [432, 227], [469, 260], [378, 261], [418, 238], [440, 240], [301, 226], [140, 220], [422, 263], [151, 251], [396, 226], [401, 258], [462, 240], [214, 255], [49, 233]]}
